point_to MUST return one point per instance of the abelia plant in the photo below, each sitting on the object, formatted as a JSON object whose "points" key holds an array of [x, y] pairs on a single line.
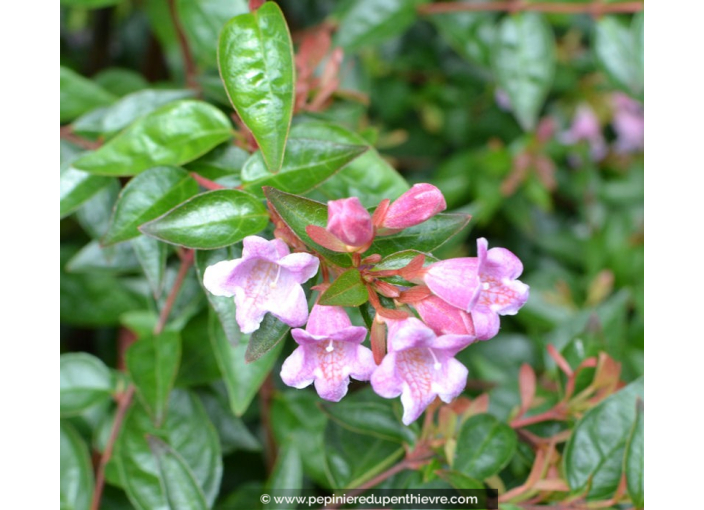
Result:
{"points": [[460, 299]]}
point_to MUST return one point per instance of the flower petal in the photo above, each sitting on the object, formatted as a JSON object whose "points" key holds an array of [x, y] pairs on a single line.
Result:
{"points": [[363, 366], [249, 312], [302, 266], [452, 381], [295, 371], [218, 278], [501, 263], [486, 322], [325, 320], [407, 334], [288, 301], [450, 345], [258, 247], [385, 381], [444, 318], [456, 281]]}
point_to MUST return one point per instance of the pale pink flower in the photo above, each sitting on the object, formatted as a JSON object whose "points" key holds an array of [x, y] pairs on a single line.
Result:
{"points": [[455, 281], [329, 353], [444, 318], [415, 206], [267, 278], [500, 292], [419, 366], [629, 124], [585, 127]]}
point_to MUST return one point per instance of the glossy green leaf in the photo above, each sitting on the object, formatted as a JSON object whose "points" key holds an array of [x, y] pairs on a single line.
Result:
{"points": [[368, 177], [241, 378], [224, 306], [524, 64], [348, 289], [198, 364], [93, 258], [77, 186], [634, 465], [425, 237], [76, 471], [152, 255], [234, 434], [147, 196], [202, 21], [187, 431], [222, 165], [298, 212], [107, 121], [371, 22], [271, 332], [214, 219], [85, 381], [287, 474], [120, 81], [255, 56], [594, 455], [181, 490], [89, 4], [484, 446], [152, 362], [307, 163], [375, 419], [471, 34], [619, 51], [174, 134], [94, 215], [79, 95]]}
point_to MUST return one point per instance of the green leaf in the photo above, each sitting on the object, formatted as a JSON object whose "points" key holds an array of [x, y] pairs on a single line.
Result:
{"points": [[79, 95], [307, 163], [222, 165], [594, 455], [635, 459], [224, 306], [399, 260], [460, 481], [202, 21], [524, 64], [77, 186], [85, 381], [234, 434], [92, 258], [375, 419], [89, 4], [271, 332], [152, 362], [119, 81], [347, 290], [152, 256], [214, 219], [94, 215], [187, 431], [145, 197], [76, 470], [109, 120], [484, 446], [287, 473], [368, 177], [255, 56], [298, 213], [425, 237], [198, 364], [371, 22], [619, 52], [242, 379], [471, 34], [181, 489], [174, 134]]}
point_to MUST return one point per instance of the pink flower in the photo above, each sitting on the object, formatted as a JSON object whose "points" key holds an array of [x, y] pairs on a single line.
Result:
{"points": [[629, 124], [415, 206], [585, 127], [349, 227], [267, 278], [444, 318], [500, 292], [329, 353], [455, 281], [420, 366]]}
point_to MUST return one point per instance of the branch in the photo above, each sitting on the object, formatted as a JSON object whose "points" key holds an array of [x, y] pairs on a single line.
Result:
{"points": [[188, 62], [595, 9], [125, 399]]}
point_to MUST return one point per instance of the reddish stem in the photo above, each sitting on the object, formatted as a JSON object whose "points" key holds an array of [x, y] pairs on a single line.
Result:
{"points": [[596, 8], [188, 62], [207, 183]]}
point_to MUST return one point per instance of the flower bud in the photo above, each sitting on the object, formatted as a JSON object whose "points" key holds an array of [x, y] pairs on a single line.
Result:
{"points": [[415, 206], [350, 222]]}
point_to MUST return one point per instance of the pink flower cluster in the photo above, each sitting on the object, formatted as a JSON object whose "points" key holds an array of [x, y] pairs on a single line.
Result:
{"points": [[457, 301]]}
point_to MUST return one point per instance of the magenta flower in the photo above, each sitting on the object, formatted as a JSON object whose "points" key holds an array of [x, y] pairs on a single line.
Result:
{"points": [[444, 318], [350, 222], [267, 278], [455, 281], [329, 353], [500, 292], [415, 206], [420, 366], [629, 124]]}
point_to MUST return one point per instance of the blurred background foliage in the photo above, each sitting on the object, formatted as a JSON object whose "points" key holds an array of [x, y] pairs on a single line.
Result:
{"points": [[531, 122]]}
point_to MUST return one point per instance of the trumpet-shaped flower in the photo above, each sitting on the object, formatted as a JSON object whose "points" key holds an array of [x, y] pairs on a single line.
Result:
{"points": [[419, 366], [500, 292], [455, 281], [329, 353], [267, 278], [444, 318], [350, 222], [415, 206]]}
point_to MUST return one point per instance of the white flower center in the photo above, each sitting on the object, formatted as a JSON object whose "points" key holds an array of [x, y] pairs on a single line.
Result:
{"points": [[437, 365], [330, 346], [272, 285]]}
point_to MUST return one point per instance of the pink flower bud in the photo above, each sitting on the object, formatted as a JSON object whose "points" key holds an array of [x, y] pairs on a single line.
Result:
{"points": [[350, 222], [415, 206]]}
